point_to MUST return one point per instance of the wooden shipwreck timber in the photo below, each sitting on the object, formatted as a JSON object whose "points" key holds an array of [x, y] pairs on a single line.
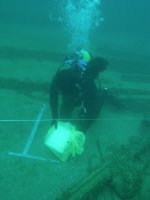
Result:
{"points": [[123, 174], [99, 178]]}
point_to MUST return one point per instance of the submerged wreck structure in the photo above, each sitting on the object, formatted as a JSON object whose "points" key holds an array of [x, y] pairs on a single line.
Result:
{"points": [[122, 171]]}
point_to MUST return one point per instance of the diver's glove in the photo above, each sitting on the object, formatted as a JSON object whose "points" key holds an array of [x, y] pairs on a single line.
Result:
{"points": [[54, 123]]}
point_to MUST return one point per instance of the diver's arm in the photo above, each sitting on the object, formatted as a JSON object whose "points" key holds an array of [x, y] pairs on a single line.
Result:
{"points": [[53, 102]]}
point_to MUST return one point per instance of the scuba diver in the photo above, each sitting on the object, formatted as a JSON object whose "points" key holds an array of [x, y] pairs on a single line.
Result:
{"points": [[78, 85]]}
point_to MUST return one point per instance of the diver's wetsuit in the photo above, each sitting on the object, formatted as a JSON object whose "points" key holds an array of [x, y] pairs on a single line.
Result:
{"points": [[74, 92]]}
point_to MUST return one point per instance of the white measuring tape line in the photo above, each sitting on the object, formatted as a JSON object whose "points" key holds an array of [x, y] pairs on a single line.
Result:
{"points": [[48, 120]]}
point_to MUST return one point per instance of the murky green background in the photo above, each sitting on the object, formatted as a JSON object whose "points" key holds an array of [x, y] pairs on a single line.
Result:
{"points": [[31, 49]]}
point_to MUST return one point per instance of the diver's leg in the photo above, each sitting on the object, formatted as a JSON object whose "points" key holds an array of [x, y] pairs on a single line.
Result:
{"points": [[93, 108], [66, 109]]}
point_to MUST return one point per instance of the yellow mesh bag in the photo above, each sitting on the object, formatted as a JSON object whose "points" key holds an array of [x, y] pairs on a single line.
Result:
{"points": [[65, 141]]}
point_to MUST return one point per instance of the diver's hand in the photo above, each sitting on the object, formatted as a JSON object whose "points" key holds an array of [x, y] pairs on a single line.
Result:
{"points": [[54, 123]]}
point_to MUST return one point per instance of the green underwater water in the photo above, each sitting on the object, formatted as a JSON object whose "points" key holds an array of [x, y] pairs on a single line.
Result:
{"points": [[31, 50]]}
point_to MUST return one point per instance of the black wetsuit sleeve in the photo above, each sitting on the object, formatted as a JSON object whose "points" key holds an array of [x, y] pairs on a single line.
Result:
{"points": [[53, 99]]}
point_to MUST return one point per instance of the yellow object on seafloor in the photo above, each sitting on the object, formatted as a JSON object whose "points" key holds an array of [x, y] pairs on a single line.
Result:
{"points": [[65, 141]]}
